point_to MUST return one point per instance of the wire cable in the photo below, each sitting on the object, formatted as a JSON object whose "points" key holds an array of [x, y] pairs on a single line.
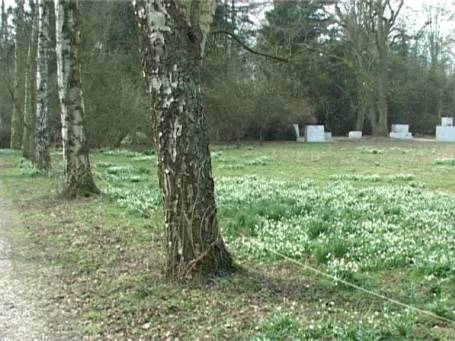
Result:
{"points": [[352, 285]]}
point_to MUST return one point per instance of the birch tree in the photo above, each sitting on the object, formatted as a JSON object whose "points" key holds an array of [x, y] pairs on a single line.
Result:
{"points": [[30, 88], [78, 174], [172, 41], [42, 157], [16, 134]]}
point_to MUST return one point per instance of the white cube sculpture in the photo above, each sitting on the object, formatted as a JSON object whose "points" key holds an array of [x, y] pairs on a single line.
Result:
{"points": [[400, 131], [400, 128], [445, 134], [447, 121], [314, 133], [401, 136], [356, 134]]}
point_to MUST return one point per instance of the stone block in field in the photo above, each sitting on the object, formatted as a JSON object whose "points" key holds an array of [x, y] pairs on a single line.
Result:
{"points": [[355, 134], [400, 128], [401, 132], [401, 135], [445, 133], [447, 121], [314, 133], [328, 135]]}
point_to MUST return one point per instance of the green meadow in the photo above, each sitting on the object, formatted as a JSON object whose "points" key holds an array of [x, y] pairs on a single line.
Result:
{"points": [[375, 213]]}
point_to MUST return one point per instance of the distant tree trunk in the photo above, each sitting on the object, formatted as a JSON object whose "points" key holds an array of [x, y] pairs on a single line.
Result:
{"points": [[78, 174], [3, 57], [382, 82], [172, 37], [42, 158], [361, 105], [360, 121], [4, 32], [16, 134], [380, 126], [3, 28], [29, 99]]}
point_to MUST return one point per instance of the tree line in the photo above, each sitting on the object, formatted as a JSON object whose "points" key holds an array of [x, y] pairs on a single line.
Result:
{"points": [[347, 64], [350, 65]]}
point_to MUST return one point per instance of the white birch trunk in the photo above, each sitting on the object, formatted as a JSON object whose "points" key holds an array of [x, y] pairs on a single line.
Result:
{"points": [[42, 157], [60, 79], [172, 38], [78, 175]]}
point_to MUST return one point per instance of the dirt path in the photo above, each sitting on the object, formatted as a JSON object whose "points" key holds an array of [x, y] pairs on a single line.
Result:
{"points": [[27, 308], [19, 318]]}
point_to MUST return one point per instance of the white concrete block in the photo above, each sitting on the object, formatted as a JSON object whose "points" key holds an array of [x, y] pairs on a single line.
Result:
{"points": [[445, 134], [314, 133], [356, 134], [400, 128], [297, 130], [446, 121], [328, 135], [401, 135]]}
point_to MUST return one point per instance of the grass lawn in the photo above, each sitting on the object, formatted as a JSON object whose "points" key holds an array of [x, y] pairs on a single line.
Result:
{"points": [[377, 213]]}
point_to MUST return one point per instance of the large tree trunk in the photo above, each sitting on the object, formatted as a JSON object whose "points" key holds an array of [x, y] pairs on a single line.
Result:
{"points": [[380, 125], [30, 91], [362, 105], [383, 29], [42, 158], [360, 120], [173, 35], [16, 121], [78, 175]]}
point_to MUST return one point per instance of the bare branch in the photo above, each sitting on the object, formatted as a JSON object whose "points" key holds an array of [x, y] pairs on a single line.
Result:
{"points": [[396, 13], [249, 49]]}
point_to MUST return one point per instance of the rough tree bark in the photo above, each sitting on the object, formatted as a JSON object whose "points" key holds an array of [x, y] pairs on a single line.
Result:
{"points": [[30, 90], [78, 175], [42, 157], [16, 133], [172, 39]]}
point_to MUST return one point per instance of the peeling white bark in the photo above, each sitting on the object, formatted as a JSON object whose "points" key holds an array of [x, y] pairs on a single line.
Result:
{"points": [[173, 35], [61, 71]]}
